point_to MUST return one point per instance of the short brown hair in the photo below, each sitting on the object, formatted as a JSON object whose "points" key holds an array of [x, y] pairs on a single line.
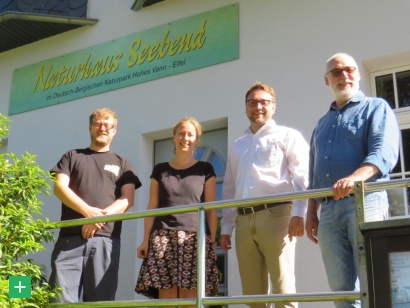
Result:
{"points": [[261, 86]]}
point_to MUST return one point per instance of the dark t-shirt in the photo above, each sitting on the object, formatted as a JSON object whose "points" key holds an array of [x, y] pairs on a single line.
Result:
{"points": [[180, 187], [97, 178]]}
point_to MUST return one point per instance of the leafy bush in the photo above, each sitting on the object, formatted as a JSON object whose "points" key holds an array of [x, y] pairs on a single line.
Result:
{"points": [[21, 233]]}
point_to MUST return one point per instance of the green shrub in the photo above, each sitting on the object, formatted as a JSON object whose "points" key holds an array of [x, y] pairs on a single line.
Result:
{"points": [[21, 230]]}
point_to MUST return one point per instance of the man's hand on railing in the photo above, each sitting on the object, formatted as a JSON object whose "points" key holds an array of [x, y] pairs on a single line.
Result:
{"points": [[296, 227], [225, 242], [343, 187]]}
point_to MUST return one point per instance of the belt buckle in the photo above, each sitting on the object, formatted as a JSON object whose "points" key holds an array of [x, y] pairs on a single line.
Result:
{"points": [[265, 205], [245, 210], [252, 210]]}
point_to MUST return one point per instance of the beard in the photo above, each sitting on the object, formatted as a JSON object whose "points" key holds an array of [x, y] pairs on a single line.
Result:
{"points": [[260, 120], [101, 141], [345, 94]]}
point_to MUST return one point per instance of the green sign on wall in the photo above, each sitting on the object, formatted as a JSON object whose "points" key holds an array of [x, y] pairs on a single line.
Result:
{"points": [[188, 44]]}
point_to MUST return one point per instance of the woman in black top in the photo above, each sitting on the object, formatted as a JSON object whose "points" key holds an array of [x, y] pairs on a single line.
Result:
{"points": [[169, 269]]}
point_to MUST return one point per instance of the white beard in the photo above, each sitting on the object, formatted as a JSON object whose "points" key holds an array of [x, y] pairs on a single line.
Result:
{"points": [[346, 93]]}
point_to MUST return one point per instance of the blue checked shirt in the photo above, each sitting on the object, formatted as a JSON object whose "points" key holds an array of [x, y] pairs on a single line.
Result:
{"points": [[365, 130]]}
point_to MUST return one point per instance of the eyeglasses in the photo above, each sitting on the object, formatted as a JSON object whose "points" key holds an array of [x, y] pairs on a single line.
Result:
{"points": [[254, 102], [107, 126], [336, 72]]}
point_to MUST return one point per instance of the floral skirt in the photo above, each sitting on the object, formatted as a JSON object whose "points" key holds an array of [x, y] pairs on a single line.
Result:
{"points": [[172, 260]]}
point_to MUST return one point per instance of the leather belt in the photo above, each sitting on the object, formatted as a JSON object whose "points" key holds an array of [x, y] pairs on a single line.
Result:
{"points": [[248, 210], [328, 199]]}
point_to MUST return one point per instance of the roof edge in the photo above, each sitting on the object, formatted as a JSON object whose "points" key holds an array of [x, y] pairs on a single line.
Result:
{"points": [[47, 18]]}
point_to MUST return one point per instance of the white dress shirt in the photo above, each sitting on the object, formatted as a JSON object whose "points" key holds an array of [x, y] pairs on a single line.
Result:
{"points": [[272, 161]]}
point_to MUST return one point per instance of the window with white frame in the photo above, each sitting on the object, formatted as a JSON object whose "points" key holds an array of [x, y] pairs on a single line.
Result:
{"points": [[394, 86]]}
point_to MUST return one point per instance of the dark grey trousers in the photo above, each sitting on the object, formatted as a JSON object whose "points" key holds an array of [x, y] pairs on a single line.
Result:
{"points": [[84, 266]]}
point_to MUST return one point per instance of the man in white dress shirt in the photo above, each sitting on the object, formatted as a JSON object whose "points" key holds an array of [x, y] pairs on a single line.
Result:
{"points": [[268, 159]]}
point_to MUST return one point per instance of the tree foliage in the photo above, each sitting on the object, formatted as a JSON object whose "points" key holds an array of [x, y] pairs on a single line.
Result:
{"points": [[22, 231]]}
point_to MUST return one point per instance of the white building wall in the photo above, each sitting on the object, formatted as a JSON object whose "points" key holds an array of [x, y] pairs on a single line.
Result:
{"points": [[282, 43]]}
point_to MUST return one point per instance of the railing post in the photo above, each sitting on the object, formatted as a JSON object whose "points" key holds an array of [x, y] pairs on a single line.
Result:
{"points": [[201, 270], [360, 218]]}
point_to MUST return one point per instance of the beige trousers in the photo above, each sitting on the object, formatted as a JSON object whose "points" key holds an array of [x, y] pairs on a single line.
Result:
{"points": [[263, 249]]}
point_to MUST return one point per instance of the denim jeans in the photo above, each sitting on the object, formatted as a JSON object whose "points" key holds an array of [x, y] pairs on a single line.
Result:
{"points": [[338, 240]]}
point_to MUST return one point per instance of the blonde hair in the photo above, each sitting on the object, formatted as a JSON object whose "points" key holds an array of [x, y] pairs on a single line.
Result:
{"points": [[103, 113], [194, 122]]}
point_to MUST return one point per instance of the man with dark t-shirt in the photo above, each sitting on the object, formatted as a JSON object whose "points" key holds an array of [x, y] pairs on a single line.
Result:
{"points": [[91, 182]]}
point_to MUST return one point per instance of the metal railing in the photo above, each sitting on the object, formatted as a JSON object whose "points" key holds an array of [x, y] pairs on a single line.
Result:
{"points": [[202, 300]]}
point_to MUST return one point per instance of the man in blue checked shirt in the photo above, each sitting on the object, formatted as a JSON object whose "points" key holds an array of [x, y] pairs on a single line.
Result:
{"points": [[356, 140]]}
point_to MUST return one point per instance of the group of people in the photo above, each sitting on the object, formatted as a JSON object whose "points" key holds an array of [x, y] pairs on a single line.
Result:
{"points": [[356, 140]]}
